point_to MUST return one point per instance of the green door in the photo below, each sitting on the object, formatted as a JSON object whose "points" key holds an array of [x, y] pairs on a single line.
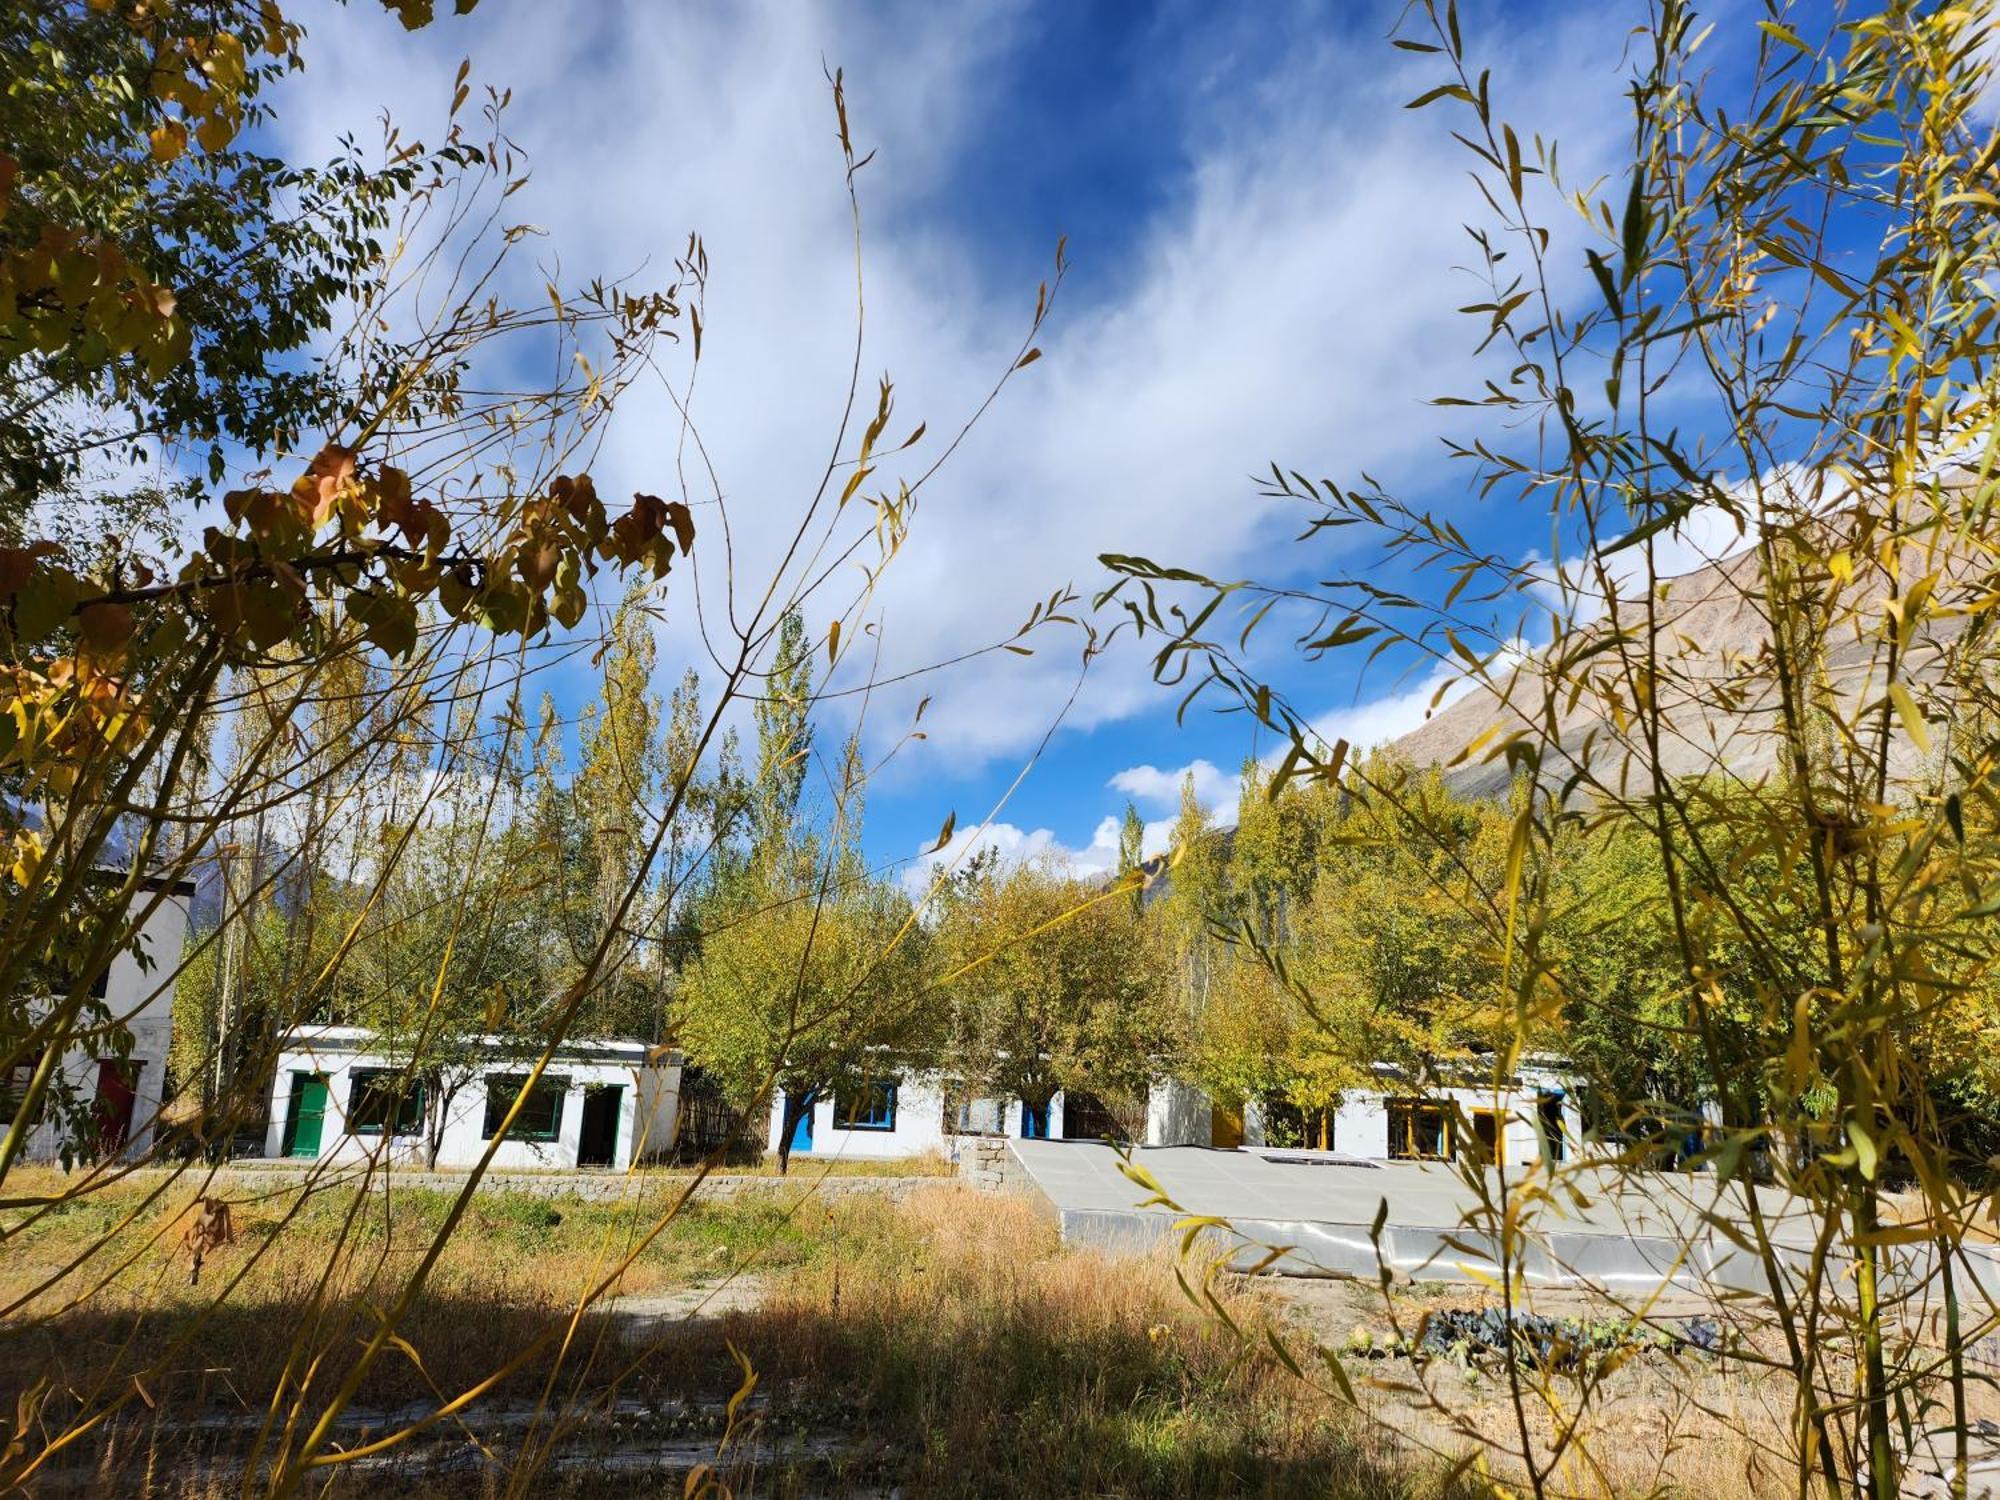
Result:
{"points": [[302, 1127]]}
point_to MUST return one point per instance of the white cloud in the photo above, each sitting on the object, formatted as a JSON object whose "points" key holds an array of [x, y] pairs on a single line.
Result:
{"points": [[1149, 787], [1291, 295], [1707, 534], [1374, 722], [1014, 845], [1152, 787]]}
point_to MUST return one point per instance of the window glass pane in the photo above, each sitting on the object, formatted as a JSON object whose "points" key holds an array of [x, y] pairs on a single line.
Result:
{"points": [[383, 1097], [14, 1086], [541, 1113], [1418, 1131], [865, 1105]]}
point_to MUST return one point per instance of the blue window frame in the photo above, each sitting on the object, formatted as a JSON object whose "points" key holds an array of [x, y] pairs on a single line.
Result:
{"points": [[866, 1104], [1034, 1121]]}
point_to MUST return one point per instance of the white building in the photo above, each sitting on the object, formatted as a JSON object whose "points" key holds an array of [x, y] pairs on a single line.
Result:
{"points": [[911, 1114], [1535, 1114], [1537, 1111], [341, 1096], [126, 1092]]}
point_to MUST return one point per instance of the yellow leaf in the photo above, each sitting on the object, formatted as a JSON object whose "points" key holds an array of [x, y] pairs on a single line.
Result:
{"points": [[170, 139], [1912, 718]]}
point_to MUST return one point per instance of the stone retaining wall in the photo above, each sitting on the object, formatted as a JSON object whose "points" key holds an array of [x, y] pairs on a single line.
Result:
{"points": [[990, 1165], [594, 1187]]}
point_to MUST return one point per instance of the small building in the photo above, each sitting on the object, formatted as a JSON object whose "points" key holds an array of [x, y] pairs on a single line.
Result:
{"points": [[909, 1114], [1536, 1114], [922, 1112], [342, 1095], [127, 1091]]}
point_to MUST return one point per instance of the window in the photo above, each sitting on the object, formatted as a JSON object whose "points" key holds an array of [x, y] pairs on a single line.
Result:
{"points": [[380, 1097], [1418, 1130], [14, 1086], [540, 1118], [865, 1104], [966, 1114]]}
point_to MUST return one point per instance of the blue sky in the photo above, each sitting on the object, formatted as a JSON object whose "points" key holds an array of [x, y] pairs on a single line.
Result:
{"points": [[1264, 245]]}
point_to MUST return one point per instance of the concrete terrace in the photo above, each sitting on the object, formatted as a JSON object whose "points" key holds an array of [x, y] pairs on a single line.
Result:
{"points": [[1626, 1236]]}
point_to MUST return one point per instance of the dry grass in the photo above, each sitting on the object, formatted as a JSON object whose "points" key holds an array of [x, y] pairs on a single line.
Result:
{"points": [[98, 1289], [969, 1344], [948, 1340]]}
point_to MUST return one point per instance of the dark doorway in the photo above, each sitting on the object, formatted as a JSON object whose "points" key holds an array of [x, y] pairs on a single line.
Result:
{"points": [[1288, 1124], [1549, 1110], [117, 1094], [1489, 1138], [597, 1142], [1088, 1118]]}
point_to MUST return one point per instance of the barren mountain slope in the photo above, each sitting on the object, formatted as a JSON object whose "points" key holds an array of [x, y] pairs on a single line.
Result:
{"points": [[1719, 684]]}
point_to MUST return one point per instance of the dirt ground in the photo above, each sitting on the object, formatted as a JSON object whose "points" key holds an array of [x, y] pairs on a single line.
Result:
{"points": [[1670, 1421]]}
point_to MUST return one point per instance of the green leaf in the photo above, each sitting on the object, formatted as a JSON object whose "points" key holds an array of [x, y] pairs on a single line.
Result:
{"points": [[1864, 1147], [1633, 233], [1442, 91]]}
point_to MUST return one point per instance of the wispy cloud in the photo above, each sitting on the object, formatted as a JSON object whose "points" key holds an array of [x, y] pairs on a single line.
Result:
{"points": [[1288, 293]]}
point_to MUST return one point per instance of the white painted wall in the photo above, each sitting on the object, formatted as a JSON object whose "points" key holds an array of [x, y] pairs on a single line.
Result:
{"points": [[657, 1111], [142, 999], [1361, 1122], [919, 1128], [1178, 1114], [648, 1104]]}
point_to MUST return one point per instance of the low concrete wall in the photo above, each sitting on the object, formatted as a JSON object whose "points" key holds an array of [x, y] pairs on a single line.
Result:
{"points": [[1631, 1264]]}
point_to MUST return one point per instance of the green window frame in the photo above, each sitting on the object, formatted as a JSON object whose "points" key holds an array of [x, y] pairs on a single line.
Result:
{"points": [[541, 1113], [379, 1097], [14, 1087]]}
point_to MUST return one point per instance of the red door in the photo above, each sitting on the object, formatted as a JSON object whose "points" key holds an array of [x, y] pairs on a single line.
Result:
{"points": [[116, 1096]]}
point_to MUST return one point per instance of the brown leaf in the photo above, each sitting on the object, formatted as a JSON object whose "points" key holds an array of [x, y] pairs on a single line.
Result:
{"points": [[105, 627], [17, 565], [682, 520]]}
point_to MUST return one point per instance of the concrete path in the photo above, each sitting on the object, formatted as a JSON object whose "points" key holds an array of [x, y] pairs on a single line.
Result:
{"points": [[1626, 1233]]}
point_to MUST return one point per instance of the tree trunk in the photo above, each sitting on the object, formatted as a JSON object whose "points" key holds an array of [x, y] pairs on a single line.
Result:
{"points": [[434, 1125], [796, 1105]]}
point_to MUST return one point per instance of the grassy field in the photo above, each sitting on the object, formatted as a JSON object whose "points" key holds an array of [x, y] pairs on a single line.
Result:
{"points": [[948, 1341], [945, 1344]]}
